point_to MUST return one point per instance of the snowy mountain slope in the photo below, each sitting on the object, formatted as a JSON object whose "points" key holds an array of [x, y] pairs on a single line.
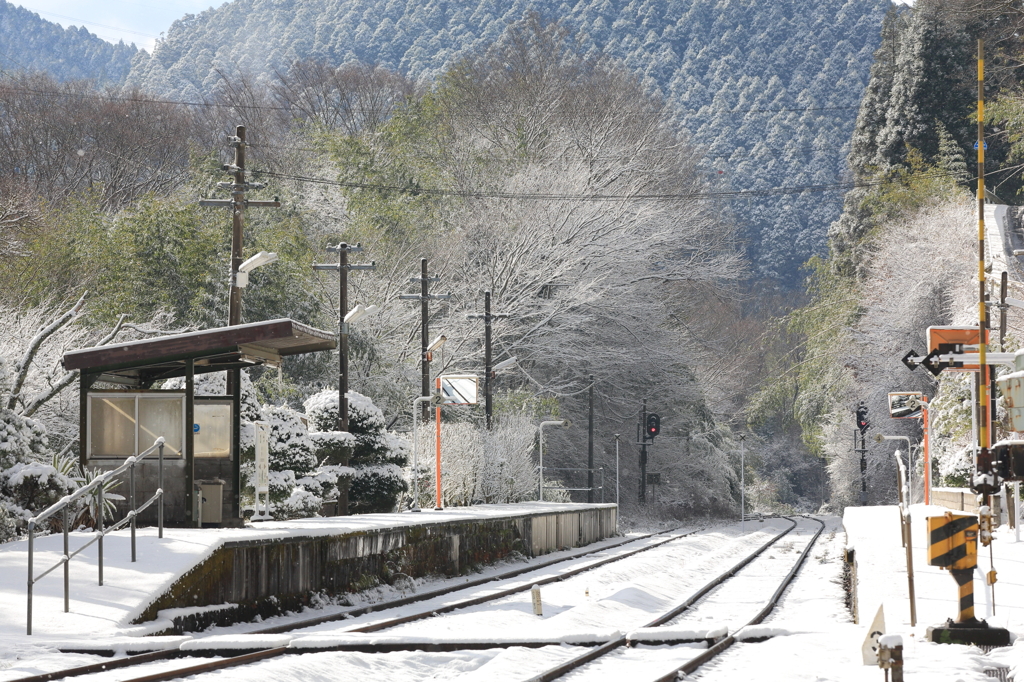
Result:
{"points": [[29, 42], [769, 89]]}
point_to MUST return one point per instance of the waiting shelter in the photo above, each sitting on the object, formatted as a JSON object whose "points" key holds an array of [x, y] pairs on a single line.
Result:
{"points": [[202, 481]]}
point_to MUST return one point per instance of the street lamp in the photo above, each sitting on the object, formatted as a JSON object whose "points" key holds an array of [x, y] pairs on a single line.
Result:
{"points": [[556, 422], [359, 312], [261, 258], [880, 438], [505, 364]]}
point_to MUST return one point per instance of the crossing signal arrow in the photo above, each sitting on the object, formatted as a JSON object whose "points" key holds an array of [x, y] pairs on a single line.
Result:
{"points": [[911, 360]]}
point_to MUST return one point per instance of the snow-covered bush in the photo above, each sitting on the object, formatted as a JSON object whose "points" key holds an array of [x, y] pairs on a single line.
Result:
{"points": [[375, 456], [481, 466], [31, 478]]}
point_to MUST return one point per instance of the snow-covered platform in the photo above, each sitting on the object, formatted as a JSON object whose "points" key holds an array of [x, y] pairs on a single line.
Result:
{"points": [[192, 577]]}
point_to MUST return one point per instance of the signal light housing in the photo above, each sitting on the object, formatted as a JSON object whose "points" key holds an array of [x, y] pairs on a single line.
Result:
{"points": [[653, 427]]}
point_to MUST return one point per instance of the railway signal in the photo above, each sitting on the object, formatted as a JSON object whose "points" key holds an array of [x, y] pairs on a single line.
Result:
{"points": [[862, 418], [653, 427]]}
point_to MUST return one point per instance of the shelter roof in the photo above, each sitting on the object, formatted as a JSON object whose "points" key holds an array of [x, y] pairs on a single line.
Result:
{"points": [[140, 363]]}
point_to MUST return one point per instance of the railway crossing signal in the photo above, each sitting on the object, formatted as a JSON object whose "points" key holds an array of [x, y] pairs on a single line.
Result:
{"points": [[953, 545]]}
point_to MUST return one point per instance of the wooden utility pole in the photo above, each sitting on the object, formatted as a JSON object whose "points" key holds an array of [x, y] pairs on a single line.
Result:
{"points": [[343, 268], [237, 203], [424, 297], [487, 317]]}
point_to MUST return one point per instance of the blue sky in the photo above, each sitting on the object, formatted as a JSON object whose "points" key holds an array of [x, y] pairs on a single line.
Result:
{"points": [[133, 21]]}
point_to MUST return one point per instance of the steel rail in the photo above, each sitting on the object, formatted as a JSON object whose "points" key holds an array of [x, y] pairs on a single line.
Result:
{"points": [[720, 646], [245, 659], [581, 660], [412, 599], [148, 657]]}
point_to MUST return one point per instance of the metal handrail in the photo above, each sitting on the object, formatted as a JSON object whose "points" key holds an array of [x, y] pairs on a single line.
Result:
{"points": [[562, 487], [98, 535]]}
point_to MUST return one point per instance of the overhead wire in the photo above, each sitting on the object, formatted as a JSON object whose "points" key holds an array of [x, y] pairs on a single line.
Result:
{"points": [[551, 196]]}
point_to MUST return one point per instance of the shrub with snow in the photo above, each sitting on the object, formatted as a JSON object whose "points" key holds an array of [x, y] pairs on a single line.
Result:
{"points": [[481, 466], [31, 478], [375, 456]]}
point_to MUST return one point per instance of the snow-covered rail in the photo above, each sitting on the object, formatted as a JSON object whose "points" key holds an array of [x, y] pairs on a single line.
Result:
{"points": [[666, 629], [263, 651]]}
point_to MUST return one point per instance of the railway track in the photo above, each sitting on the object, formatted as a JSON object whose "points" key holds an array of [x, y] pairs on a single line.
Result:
{"points": [[354, 638], [266, 652], [716, 647]]}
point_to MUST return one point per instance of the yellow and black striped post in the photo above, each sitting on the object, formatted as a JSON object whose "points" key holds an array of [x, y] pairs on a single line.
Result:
{"points": [[953, 544]]}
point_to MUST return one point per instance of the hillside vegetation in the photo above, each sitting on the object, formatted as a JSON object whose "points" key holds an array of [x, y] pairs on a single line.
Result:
{"points": [[30, 43], [767, 90]]}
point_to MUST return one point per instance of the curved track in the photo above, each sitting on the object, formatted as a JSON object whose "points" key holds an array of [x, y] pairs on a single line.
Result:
{"points": [[704, 599]]}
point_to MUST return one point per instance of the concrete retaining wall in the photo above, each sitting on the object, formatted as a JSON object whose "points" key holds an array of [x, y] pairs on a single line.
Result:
{"points": [[267, 577]]}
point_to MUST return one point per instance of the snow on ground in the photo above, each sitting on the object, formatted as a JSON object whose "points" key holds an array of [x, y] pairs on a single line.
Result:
{"points": [[812, 633], [100, 617], [824, 645]]}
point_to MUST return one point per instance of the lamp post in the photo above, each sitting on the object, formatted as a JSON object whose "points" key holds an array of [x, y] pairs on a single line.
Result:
{"points": [[880, 438], [616, 472], [743, 486], [556, 422]]}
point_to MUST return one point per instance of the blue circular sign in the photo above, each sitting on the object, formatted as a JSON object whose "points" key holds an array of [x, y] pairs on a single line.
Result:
{"points": [[195, 428]]}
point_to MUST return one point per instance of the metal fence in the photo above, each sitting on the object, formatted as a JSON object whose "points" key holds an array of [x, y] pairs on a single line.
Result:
{"points": [[63, 506], [568, 488]]}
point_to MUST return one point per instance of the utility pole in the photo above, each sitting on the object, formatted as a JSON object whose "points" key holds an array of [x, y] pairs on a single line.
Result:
{"points": [[590, 445], [424, 297], [343, 268], [487, 317], [643, 453], [238, 203]]}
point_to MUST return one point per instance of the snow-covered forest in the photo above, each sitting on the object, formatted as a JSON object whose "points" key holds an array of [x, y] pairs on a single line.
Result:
{"points": [[769, 90], [30, 43], [531, 170], [903, 255], [571, 169]]}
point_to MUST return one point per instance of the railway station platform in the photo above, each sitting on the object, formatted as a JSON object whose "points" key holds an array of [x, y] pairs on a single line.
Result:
{"points": [[193, 578]]}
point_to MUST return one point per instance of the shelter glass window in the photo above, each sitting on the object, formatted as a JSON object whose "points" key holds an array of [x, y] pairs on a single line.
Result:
{"points": [[112, 426], [125, 424], [212, 429], [161, 416]]}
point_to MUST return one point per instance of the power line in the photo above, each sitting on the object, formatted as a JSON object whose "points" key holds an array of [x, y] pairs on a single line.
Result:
{"points": [[261, 107], [550, 196]]}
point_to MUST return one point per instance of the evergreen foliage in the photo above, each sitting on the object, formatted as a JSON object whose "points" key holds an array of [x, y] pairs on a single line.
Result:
{"points": [[30, 43], [375, 455], [768, 89]]}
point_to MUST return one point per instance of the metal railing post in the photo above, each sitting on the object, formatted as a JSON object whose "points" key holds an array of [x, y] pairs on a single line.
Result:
{"points": [[67, 563], [131, 493], [99, 529], [31, 579], [160, 492]]}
